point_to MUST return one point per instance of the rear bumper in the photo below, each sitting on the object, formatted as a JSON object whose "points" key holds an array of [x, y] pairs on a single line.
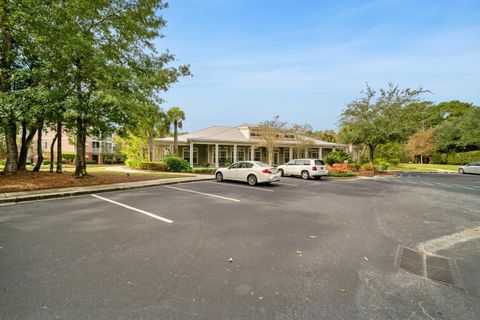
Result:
{"points": [[269, 178], [319, 173]]}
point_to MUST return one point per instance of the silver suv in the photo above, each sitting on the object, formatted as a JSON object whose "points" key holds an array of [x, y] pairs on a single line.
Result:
{"points": [[305, 168]]}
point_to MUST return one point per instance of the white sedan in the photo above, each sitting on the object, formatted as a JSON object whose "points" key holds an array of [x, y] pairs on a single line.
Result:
{"points": [[252, 172], [473, 167]]}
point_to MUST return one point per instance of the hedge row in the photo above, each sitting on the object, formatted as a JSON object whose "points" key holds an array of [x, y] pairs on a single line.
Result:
{"points": [[154, 166], [455, 158]]}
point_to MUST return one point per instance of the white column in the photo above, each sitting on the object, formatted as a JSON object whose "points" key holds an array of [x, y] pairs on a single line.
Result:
{"points": [[320, 153], [234, 153], [306, 153], [191, 154], [216, 156], [252, 153], [290, 153]]}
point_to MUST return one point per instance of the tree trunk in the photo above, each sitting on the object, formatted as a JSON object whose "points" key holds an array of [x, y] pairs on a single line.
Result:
{"points": [[175, 137], [371, 148], [150, 146], [421, 158], [52, 159], [12, 152], [26, 142], [59, 147], [80, 159], [39, 148]]}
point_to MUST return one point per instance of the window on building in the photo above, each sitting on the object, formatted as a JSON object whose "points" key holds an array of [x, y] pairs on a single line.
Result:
{"points": [[286, 155], [241, 154], [96, 144], [314, 154], [258, 155], [108, 147], [186, 154], [44, 145]]}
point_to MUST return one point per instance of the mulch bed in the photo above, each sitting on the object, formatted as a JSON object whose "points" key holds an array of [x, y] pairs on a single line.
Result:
{"points": [[28, 180]]}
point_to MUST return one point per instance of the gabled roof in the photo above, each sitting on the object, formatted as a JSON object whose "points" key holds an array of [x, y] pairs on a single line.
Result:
{"points": [[240, 134]]}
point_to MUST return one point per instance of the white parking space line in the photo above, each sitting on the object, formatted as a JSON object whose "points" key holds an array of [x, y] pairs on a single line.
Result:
{"points": [[463, 187], [203, 193], [134, 209], [287, 184], [245, 187]]}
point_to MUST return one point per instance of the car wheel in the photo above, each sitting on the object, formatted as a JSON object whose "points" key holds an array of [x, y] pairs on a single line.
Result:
{"points": [[252, 180], [305, 175], [461, 171], [219, 177], [281, 172]]}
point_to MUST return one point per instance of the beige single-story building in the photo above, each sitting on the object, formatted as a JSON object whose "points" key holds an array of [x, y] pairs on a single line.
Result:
{"points": [[217, 146]]}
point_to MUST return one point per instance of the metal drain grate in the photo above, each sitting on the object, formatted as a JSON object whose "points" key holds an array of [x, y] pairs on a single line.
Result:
{"points": [[432, 267], [411, 261], [439, 269]]}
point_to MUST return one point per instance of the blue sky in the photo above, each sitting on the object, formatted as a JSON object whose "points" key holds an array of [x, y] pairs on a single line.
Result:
{"points": [[306, 60]]}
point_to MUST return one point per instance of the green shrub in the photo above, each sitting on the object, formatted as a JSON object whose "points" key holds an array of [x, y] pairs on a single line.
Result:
{"points": [[367, 167], [204, 170], [227, 164], [336, 157], [205, 164], [176, 164], [68, 157], [343, 174], [394, 161], [91, 162], [356, 166], [455, 158], [45, 162], [134, 163], [155, 166], [382, 166]]}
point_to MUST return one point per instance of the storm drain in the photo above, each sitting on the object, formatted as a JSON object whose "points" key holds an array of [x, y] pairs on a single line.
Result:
{"points": [[431, 267]]}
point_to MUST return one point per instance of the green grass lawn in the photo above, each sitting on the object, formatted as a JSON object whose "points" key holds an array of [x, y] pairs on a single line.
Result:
{"points": [[423, 167]]}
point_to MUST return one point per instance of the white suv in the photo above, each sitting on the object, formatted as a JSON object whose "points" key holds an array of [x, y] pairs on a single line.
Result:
{"points": [[305, 168]]}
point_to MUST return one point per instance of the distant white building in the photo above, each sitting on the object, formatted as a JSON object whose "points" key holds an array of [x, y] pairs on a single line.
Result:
{"points": [[217, 145]]}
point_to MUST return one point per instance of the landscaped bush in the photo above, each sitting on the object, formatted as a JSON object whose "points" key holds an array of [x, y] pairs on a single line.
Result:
{"points": [[367, 167], [355, 166], [204, 170], [176, 164], [341, 168], [382, 166], [336, 157], [44, 162], [2, 162], [134, 163], [344, 174], [92, 162], [155, 166], [455, 158], [68, 157]]}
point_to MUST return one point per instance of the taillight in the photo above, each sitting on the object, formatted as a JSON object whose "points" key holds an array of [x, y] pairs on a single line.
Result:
{"points": [[314, 168], [267, 171]]}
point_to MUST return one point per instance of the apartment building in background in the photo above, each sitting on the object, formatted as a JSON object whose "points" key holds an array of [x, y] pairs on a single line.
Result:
{"points": [[96, 147]]}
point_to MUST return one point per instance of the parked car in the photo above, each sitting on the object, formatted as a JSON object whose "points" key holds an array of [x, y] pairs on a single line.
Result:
{"points": [[305, 168], [473, 167], [252, 172]]}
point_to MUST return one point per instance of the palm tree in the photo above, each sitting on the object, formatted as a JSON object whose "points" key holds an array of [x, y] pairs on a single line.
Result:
{"points": [[176, 116]]}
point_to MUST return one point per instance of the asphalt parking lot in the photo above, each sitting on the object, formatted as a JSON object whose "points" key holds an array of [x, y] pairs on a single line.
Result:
{"points": [[297, 249]]}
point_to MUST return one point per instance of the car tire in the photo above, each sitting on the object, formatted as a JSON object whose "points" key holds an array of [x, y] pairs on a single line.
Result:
{"points": [[219, 177], [305, 175], [282, 174], [461, 171], [252, 180]]}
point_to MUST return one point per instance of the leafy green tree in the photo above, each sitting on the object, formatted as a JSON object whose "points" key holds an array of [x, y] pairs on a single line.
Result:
{"points": [[325, 135], [176, 116], [375, 118], [462, 133]]}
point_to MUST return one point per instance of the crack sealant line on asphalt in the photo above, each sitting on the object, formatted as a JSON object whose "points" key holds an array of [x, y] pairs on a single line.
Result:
{"points": [[445, 242], [134, 209], [203, 193]]}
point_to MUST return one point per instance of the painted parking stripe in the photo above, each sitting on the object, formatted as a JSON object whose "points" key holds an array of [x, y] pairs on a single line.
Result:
{"points": [[463, 187], [245, 187], [203, 193], [287, 184], [134, 209]]}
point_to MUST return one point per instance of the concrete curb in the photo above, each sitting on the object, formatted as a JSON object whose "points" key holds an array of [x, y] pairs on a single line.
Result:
{"points": [[15, 197]]}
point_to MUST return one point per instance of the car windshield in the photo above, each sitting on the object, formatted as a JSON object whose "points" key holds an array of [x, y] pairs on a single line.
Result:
{"points": [[262, 164]]}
